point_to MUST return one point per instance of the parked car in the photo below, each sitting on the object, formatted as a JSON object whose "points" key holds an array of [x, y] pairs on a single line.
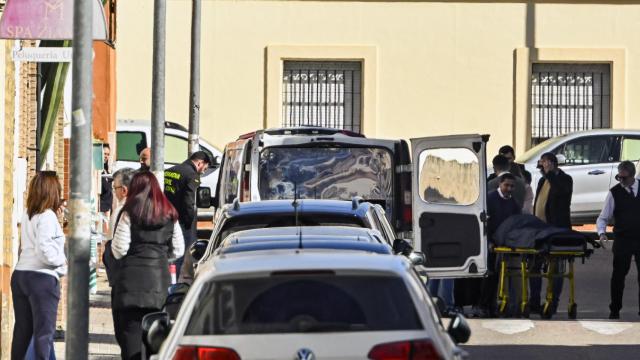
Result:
{"points": [[132, 136], [591, 158], [279, 304], [278, 213], [440, 196]]}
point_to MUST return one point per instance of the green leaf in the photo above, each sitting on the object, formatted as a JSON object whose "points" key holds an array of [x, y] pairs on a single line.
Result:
{"points": [[56, 75]]}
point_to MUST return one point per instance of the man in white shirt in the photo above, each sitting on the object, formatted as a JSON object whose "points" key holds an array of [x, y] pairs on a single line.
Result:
{"points": [[121, 181], [623, 206]]}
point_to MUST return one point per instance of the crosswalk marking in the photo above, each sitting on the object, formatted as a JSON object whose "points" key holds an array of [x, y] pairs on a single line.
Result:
{"points": [[605, 327], [508, 327]]}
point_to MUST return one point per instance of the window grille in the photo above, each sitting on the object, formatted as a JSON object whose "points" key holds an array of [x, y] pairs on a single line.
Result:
{"points": [[569, 97], [322, 93]]}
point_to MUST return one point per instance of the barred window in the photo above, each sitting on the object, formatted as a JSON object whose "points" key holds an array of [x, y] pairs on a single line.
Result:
{"points": [[322, 93], [569, 97]]}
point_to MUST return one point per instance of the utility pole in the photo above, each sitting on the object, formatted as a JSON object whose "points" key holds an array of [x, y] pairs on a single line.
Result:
{"points": [[158, 90], [77, 337], [194, 95]]}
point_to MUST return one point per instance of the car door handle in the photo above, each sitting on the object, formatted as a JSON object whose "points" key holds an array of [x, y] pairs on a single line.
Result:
{"points": [[596, 172]]}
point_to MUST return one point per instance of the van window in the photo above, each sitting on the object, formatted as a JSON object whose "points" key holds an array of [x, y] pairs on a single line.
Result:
{"points": [[230, 179], [337, 173], [449, 176], [129, 145], [175, 149]]}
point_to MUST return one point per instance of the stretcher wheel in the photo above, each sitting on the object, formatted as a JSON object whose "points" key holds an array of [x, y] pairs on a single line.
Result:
{"points": [[573, 311], [546, 313]]}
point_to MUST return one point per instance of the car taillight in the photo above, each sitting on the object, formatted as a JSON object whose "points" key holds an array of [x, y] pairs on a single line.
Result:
{"points": [[205, 353], [405, 350], [407, 214]]}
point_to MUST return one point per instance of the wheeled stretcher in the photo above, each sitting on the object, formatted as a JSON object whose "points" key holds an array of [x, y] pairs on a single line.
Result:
{"points": [[557, 258]]}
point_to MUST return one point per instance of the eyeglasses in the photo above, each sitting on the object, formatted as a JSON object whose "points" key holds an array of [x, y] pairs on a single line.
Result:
{"points": [[117, 187], [622, 178]]}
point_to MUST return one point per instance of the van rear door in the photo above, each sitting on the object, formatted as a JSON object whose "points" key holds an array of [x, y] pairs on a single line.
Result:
{"points": [[449, 204]]}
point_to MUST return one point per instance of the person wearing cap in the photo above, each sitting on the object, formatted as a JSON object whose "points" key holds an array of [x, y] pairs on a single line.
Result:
{"points": [[623, 206], [180, 184], [553, 206]]}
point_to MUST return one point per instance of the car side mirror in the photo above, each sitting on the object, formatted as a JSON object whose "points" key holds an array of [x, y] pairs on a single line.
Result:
{"points": [[417, 258], [203, 197], [562, 160], [402, 246], [459, 329], [215, 165], [155, 329], [198, 249]]}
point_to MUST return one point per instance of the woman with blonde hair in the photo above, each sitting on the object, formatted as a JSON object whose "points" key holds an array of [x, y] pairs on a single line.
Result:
{"points": [[35, 283]]}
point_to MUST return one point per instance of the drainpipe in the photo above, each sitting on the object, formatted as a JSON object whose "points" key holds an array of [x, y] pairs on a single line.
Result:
{"points": [[194, 95], [158, 90]]}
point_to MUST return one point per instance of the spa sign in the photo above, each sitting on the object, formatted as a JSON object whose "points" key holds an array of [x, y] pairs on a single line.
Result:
{"points": [[46, 20]]}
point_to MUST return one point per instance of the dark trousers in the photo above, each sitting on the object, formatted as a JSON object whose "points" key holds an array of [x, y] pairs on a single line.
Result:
{"points": [[127, 324], [535, 285], [621, 265], [35, 305], [190, 236]]}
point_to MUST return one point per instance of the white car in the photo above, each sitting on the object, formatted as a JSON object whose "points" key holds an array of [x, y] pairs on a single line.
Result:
{"points": [[591, 159], [135, 135], [307, 304]]}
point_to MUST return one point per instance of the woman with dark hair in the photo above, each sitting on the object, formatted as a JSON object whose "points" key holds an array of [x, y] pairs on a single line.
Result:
{"points": [[35, 284], [146, 235]]}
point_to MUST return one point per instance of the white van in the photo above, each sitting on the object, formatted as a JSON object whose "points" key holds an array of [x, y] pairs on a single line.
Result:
{"points": [[135, 135]]}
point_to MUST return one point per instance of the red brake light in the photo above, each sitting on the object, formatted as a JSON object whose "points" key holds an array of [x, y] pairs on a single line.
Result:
{"points": [[405, 350], [407, 214], [205, 353]]}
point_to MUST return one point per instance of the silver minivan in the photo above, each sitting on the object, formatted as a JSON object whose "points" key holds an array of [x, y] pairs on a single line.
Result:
{"points": [[591, 158]]}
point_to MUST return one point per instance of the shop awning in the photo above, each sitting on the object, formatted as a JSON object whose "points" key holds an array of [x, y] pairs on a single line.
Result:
{"points": [[46, 20]]}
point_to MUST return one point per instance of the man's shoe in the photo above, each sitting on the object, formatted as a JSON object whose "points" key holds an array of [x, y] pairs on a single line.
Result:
{"points": [[614, 315]]}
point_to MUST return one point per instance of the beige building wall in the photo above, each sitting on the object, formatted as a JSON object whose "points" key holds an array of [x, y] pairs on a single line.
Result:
{"points": [[437, 67]]}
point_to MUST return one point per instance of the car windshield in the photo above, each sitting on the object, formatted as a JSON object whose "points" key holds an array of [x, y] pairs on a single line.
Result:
{"points": [[302, 303], [271, 220], [535, 151], [332, 172]]}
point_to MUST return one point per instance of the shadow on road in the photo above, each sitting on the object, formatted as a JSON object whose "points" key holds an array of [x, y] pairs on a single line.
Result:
{"points": [[530, 352]]}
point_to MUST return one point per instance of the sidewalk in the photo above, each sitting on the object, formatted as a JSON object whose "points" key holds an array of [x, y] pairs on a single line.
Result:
{"points": [[103, 345]]}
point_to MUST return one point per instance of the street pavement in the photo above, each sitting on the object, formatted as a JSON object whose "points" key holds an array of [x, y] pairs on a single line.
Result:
{"points": [[102, 342], [591, 336]]}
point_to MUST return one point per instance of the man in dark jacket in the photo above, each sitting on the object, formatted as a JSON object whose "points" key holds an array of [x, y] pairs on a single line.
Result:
{"points": [[500, 206], [553, 206], [501, 166], [180, 185], [623, 205]]}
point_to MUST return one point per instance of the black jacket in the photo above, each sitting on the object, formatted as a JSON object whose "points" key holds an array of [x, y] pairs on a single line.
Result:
{"points": [[180, 185], [142, 276], [558, 208]]}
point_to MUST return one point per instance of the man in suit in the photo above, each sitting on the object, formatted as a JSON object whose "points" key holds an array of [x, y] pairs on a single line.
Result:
{"points": [[501, 205], [623, 206], [516, 169], [553, 206], [501, 166]]}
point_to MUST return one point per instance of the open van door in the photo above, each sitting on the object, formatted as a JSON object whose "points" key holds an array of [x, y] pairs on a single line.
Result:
{"points": [[449, 204]]}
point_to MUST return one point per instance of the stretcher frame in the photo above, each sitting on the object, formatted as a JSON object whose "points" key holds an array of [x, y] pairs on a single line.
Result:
{"points": [[551, 258]]}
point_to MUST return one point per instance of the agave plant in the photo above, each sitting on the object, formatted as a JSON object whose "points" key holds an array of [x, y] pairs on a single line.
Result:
{"points": [[54, 75]]}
